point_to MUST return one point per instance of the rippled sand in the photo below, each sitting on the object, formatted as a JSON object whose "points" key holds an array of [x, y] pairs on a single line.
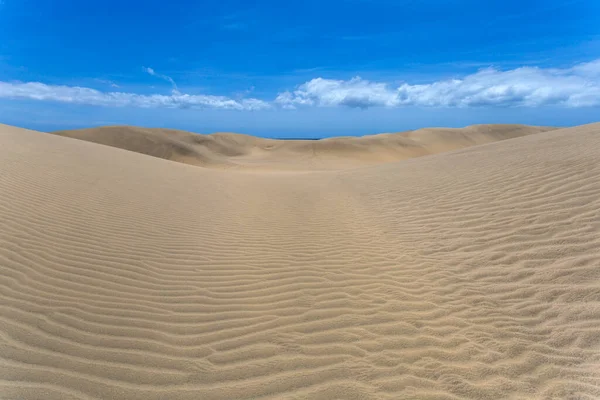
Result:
{"points": [[473, 274]]}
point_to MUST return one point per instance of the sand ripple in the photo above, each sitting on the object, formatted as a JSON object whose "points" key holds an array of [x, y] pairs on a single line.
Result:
{"points": [[465, 275]]}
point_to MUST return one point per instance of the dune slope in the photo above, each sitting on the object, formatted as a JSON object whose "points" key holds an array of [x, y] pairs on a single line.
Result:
{"points": [[232, 150], [466, 275]]}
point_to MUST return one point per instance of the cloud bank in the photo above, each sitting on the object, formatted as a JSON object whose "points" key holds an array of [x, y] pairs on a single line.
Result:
{"points": [[83, 95], [578, 86]]}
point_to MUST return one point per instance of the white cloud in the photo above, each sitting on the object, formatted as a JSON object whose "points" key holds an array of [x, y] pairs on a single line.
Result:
{"points": [[356, 92], [83, 95], [578, 86]]}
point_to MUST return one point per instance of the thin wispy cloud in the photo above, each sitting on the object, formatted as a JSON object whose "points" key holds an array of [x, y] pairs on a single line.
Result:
{"points": [[578, 86], [235, 22], [235, 26], [107, 82], [167, 78]]}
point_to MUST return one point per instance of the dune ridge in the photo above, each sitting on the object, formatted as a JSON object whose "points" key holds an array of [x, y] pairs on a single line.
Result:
{"points": [[234, 150], [471, 274]]}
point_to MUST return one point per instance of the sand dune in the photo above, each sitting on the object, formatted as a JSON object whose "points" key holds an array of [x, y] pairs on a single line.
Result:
{"points": [[473, 274], [233, 150]]}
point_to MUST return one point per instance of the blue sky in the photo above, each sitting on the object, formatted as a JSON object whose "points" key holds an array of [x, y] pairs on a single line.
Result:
{"points": [[298, 69]]}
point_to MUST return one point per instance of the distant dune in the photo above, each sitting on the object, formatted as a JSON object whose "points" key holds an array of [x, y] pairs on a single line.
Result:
{"points": [[232, 150], [471, 274]]}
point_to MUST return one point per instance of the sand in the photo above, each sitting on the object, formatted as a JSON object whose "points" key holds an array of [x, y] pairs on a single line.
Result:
{"points": [[237, 151], [472, 274]]}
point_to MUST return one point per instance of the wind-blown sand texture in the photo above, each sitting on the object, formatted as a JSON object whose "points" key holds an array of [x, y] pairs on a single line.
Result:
{"points": [[233, 150], [473, 274]]}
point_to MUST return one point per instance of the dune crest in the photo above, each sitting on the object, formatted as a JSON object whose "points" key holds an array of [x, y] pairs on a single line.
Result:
{"points": [[234, 150], [465, 275]]}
